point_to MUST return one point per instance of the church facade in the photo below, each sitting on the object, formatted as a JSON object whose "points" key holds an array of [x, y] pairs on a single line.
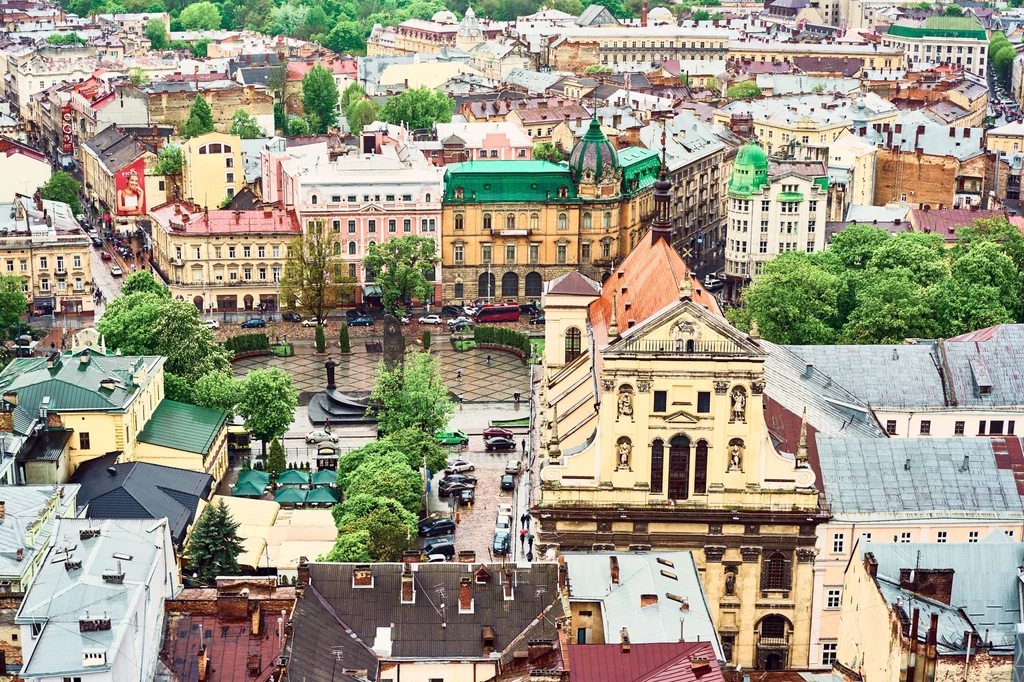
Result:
{"points": [[651, 414]]}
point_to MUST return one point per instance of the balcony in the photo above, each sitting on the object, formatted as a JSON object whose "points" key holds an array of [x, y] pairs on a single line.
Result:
{"points": [[773, 641]]}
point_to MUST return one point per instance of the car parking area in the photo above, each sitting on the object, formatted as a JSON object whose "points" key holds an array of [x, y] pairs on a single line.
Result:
{"points": [[475, 523]]}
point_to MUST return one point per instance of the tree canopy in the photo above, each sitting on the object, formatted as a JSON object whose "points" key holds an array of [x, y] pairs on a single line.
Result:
{"points": [[200, 118], [400, 266], [156, 32], [745, 90], [64, 188], [13, 304], [411, 395], [246, 126], [545, 151], [320, 97], [169, 161], [313, 279], [418, 108], [268, 403], [200, 16]]}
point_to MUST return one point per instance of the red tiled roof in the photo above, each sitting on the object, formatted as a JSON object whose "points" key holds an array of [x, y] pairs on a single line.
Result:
{"points": [[262, 220], [554, 114], [651, 274], [9, 147], [946, 221], [229, 647], [660, 662], [296, 70]]}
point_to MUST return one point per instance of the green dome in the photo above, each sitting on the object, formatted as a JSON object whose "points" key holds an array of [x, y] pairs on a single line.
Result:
{"points": [[592, 155], [749, 170]]}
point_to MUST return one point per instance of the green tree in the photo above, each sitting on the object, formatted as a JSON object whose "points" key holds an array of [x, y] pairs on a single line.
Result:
{"points": [[343, 342], [177, 388], [276, 462], [200, 16], [952, 11], [312, 280], [961, 307], [218, 390], [346, 37], [214, 545], [188, 344], [199, 48], [418, 108], [794, 302], [388, 537], [986, 264], [288, 19], [13, 304], [143, 281], [138, 77], [545, 151], [352, 94], [573, 7], [321, 340], [920, 256], [200, 117], [297, 127], [268, 403], [1002, 61], [316, 22], [246, 126], [63, 188], [388, 475], [169, 161], [854, 246], [411, 395], [595, 69], [128, 323], [358, 507], [156, 32], [65, 39], [398, 266], [889, 309], [361, 114], [353, 547], [320, 97], [701, 15], [745, 90], [418, 447]]}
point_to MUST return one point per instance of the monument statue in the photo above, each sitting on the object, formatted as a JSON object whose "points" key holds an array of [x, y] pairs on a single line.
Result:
{"points": [[394, 348]]}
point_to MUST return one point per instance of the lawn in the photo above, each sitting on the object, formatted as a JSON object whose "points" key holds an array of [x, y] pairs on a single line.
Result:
{"points": [[538, 349]]}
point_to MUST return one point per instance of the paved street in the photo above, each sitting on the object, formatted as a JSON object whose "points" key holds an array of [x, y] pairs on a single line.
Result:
{"points": [[109, 285]]}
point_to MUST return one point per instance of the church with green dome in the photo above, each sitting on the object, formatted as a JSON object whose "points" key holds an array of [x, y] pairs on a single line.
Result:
{"points": [[510, 226], [749, 171]]}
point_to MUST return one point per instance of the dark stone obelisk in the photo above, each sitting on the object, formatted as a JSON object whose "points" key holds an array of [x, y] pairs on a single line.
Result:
{"points": [[394, 349]]}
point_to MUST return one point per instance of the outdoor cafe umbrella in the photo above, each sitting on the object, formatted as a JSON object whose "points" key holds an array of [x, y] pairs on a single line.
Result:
{"points": [[290, 496], [260, 479], [326, 495], [247, 489], [293, 477], [325, 477]]}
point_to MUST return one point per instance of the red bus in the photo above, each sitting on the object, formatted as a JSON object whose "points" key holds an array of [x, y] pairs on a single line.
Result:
{"points": [[497, 312]]}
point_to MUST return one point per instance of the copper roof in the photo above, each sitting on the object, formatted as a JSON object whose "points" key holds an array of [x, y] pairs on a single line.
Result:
{"points": [[574, 284]]}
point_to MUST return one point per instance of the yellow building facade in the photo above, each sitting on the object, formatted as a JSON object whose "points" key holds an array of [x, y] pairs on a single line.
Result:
{"points": [[212, 168], [651, 414]]}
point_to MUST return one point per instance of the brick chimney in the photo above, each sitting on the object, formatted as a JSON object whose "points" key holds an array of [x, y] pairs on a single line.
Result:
{"points": [[303, 571], [648, 600], [466, 595], [362, 576], [467, 556], [3, 511], [933, 583], [203, 662], [624, 639], [613, 567], [643, 14], [871, 564], [408, 585], [507, 585]]}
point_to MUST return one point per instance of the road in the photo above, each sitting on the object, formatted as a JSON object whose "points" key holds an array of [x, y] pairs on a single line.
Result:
{"points": [[108, 285]]}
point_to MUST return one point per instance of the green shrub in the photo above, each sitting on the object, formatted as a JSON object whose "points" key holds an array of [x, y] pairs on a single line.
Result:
{"points": [[321, 342], [503, 337], [343, 341], [244, 343], [426, 338]]}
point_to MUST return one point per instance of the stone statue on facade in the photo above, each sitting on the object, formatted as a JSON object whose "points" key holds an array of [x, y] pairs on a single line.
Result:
{"points": [[625, 449], [625, 405], [735, 456], [739, 405], [730, 583]]}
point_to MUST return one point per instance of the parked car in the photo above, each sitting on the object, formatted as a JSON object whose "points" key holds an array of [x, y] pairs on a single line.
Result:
{"points": [[320, 437], [538, 319], [106, 255], [458, 466], [503, 524], [469, 310], [467, 496], [508, 482], [504, 510], [435, 527], [500, 443], [291, 317], [436, 558], [513, 466], [446, 488], [711, 282], [211, 324], [254, 323], [431, 319], [116, 271], [459, 319], [444, 547], [530, 309], [460, 326], [452, 438], [502, 543], [497, 432], [96, 242], [354, 313], [312, 322], [451, 311], [468, 479], [364, 321]]}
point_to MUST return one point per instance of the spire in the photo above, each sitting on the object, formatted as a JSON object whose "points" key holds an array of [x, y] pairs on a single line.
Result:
{"points": [[662, 227], [613, 327], [553, 452], [801, 448]]}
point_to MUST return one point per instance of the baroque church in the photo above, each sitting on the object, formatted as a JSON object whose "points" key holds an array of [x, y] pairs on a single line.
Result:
{"points": [[652, 418]]}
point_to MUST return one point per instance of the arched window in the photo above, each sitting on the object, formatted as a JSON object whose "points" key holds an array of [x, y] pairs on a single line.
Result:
{"points": [[573, 343], [313, 199], [534, 221], [215, 148], [351, 248], [679, 468], [510, 222], [227, 149], [534, 284], [773, 627], [563, 221], [459, 221], [700, 468], [510, 285], [337, 249], [657, 466], [485, 285], [588, 221], [775, 572], [487, 221], [607, 219], [428, 197]]}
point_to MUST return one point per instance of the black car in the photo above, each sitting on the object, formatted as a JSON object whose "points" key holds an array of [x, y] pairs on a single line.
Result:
{"points": [[434, 527], [444, 547], [458, 478], [500, 443], [454, 488], [354, 313], [539, 319], [502, 543], [291, 317], [96, 242], [254, 323], [461, 326], [451, 311], [508, 482], [467, 496], [529, 309]]}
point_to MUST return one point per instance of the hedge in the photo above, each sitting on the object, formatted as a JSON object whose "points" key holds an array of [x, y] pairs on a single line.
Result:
{"points": [[245, 343], [503, 337]]}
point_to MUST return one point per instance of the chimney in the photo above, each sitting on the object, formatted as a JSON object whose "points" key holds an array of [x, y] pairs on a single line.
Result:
{"points": [[11, 398], [411, 556], [643, 14], [466, 595], [3, 511], [467, 556], [808, 370], [21, 553], [408, 585], [648, 600], [507, 585], [624, 639], [362, 576], [933, 583], [613, 566], [203, 662], [871, 564]]}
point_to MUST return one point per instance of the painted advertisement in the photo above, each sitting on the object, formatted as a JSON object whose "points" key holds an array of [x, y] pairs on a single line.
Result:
{"points": [[66, 136], [130, 183]]}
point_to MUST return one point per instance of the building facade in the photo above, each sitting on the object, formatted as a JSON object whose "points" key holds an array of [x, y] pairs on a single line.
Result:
{"points": [[212, 169], [942, 40]]}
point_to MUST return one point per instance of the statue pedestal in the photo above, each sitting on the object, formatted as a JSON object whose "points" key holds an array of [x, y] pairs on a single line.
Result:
{"points": [[623, 478]]}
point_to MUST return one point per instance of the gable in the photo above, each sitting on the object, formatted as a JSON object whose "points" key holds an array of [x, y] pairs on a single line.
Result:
{"points": [[685, 327]]}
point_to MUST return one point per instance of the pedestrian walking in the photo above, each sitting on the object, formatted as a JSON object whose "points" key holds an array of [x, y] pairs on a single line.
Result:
{"points": [[522, 520], [488, 360], [529, 541], [527, 515], [327, 424], [524, 446], [458, 374], [522, 537], [529, 556]]}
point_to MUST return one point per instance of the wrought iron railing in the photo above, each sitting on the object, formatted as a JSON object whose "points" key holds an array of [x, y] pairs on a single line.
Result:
{"points": [[679, 347]]}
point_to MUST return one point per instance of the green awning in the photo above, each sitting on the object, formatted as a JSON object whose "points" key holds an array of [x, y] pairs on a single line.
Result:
{"points": [[290, 496], [261, 479], [328, 495], [247, 489], [293, 477], [325, 477], [373, 290]]}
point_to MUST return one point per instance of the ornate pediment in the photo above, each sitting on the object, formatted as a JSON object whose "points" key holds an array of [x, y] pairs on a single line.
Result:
{"points": [[681, 417]]}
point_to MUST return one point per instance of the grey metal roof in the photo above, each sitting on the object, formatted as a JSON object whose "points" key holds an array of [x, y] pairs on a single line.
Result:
{"points": [[868, 372], [871, 477], [937, 139], [432, 627], [318, 634], [999, 351], [986, 579], [58, 598], [644, 573], [951, 623], [114, 148], [23, 506]]}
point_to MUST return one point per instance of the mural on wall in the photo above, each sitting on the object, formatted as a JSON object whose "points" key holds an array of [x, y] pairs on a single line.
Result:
{"points": [[130, 183]]}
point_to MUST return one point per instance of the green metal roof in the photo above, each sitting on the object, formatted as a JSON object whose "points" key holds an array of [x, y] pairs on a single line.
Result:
{"points": [[488, 181], [749, 170], [180, 426], [592, 154], [942, 27], [640, 167]]}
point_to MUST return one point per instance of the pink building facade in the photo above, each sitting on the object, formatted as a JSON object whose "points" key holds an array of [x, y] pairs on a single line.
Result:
{"points": [[491, 140]]}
